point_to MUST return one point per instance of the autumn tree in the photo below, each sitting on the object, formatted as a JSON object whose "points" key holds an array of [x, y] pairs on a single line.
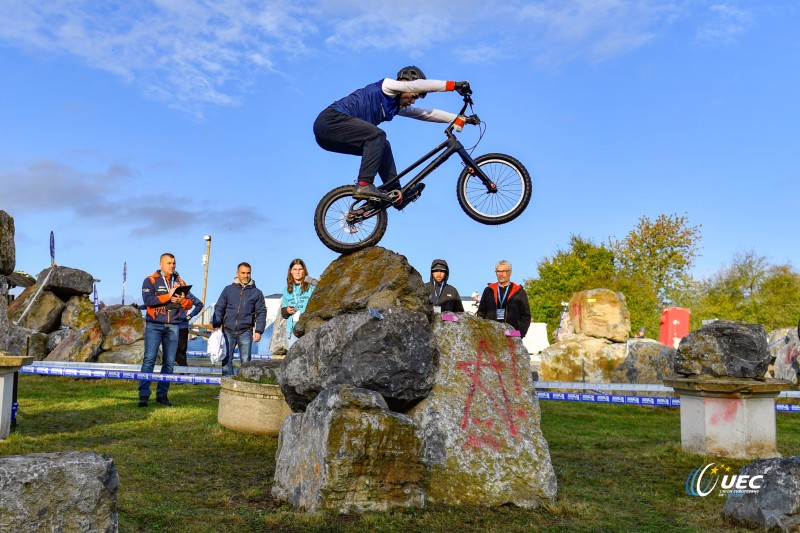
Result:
{"points": [[662, 252], [585, 265], [750, 290]]}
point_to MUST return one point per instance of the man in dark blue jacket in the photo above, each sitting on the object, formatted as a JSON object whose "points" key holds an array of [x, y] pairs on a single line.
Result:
{"points": [[239, 309], [350, 126]]}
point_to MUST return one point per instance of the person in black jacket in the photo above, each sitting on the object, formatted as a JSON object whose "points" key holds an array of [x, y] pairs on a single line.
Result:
{"points": [[505, 301], [239, 310], [443, 296]]}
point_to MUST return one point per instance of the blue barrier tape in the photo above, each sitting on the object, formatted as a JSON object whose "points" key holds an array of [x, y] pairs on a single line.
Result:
{"points": [[117, 374], [634, 400], [235, 355]]}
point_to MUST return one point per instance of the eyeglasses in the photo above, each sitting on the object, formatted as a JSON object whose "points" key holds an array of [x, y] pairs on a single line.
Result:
{"points": [[502, 271]]}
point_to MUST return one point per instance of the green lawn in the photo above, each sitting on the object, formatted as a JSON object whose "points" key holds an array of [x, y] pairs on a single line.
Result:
{"points": [[619, 467]]}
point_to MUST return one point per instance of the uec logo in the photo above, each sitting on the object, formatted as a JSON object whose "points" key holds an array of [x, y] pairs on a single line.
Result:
{"points": [[696, 485]]}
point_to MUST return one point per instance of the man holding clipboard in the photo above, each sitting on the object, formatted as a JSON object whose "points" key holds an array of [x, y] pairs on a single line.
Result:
{"points": [[164, 296]]}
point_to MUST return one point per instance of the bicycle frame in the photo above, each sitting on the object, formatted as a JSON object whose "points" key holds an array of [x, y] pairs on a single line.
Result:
{"points": [[449, 147]]}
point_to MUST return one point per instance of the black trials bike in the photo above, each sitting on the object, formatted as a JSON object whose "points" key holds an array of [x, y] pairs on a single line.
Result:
{"points": [[492, 189]]}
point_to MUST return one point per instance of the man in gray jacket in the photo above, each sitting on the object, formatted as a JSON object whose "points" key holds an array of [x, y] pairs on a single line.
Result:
{"points": [[239, 310]]}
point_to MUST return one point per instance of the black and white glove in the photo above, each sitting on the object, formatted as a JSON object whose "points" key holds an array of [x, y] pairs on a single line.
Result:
{"points": [[463, 88], [472, 119]]}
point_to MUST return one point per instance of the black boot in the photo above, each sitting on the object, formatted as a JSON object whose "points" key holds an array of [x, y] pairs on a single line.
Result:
{"points": [[143, 401]]}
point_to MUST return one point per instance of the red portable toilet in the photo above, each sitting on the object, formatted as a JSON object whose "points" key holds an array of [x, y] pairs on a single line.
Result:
{"points": [[674, 325]]}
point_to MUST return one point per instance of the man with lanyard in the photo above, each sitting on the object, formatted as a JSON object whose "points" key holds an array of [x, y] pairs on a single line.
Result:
{"points": [[164, 309], [445, 298], [505, 301]]}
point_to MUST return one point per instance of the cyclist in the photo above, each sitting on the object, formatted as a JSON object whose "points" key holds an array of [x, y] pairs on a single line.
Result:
{"points": [[349, 126]]}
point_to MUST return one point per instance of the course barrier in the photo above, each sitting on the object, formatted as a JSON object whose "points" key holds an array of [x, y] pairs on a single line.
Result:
{"points": [[206, 375]]}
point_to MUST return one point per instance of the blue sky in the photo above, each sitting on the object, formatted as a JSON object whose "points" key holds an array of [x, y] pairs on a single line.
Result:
{"points": [[133, 128]]}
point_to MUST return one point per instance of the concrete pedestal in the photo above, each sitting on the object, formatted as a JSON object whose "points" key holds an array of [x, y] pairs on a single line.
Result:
{"points": [[728, 417], [251, 407], [8, 365]]}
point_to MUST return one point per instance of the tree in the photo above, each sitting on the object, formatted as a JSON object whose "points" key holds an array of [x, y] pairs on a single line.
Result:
{"points": [[661, 251], [585, 265], [750, 290]]}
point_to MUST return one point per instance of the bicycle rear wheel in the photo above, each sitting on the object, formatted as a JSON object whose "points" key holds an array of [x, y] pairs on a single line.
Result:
{"points": [[339, 229], [508, 202]]}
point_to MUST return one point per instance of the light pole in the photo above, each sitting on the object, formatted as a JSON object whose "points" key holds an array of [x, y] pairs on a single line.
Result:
{"points": [[206, 258]]}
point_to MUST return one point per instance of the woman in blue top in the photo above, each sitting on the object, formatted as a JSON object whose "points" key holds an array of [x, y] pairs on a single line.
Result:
{"points": [[299, 287]]}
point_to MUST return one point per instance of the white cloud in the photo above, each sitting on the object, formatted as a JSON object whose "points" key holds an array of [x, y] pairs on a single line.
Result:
{"points": [[183, 52], [194, 53], [725, 24]]}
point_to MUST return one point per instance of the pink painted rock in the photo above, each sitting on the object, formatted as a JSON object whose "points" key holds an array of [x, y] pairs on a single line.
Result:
{"points": [[480, 424]]}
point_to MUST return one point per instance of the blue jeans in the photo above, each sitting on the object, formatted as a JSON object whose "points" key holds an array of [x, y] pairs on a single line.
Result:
{"points": [[291, 338], [244, 339], [165, 336]]}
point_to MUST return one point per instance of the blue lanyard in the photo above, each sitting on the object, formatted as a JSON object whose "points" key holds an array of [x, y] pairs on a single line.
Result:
{"points": [[503, 299], [441, 288]]}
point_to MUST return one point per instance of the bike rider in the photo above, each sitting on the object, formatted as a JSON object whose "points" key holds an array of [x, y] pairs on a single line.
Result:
{"points": [[349, 126]]}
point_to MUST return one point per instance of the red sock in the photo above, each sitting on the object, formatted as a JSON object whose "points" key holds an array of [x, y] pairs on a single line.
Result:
{"points": [[363, 183]]}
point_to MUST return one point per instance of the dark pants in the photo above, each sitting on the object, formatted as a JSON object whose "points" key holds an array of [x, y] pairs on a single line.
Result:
{"points": [[343, 134], [183, 345]]}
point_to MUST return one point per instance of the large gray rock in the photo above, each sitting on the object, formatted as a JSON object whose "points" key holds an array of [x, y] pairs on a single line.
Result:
{"points": [[776, 504], [57, 337], [395, 357], [349, 453], [4, 324], [126, 354], [277, 344], [8, 253], [79, 313], [374, 277], [785, 351], [648, 361], [260, 370], [26, 342], [121, 325], [43, 315], [81, 345], [66, 281], [64, 491], [724, 349], [480, 425]]}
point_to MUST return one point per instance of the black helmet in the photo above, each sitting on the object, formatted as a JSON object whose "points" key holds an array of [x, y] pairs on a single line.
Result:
{"points": [[410, 73]]}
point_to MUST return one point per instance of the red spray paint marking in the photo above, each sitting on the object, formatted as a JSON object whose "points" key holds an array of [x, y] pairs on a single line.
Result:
{"points": [[473, 370], [725, 411], [473, 441], [791, 353], [517, 386]]}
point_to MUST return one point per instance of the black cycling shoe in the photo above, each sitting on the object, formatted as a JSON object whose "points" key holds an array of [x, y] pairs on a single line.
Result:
{"points": [[370, 192], [410, 196], [164, 401]]}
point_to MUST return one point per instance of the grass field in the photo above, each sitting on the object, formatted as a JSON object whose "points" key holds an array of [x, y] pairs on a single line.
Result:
{"points": [[619, 467]]}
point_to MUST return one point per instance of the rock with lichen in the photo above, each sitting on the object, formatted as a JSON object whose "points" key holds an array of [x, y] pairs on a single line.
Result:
{"points": [[480, 424], [724, 349], [581, 358], [349, 453], [374, 277], [395, 356]]}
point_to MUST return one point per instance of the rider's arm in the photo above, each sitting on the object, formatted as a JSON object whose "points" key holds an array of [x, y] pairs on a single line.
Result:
{"points": [[392, 87], [431, 115]]}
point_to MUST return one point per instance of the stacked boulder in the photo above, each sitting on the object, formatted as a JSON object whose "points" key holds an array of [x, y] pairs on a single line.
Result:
{"points": [[55, 320], [724, 349], [784, 347], [395, 406], [7, 265]]}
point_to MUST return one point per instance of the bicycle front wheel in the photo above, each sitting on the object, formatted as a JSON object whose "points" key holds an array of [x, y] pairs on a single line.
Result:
{"points": [[509, 200], [342, 228]]}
